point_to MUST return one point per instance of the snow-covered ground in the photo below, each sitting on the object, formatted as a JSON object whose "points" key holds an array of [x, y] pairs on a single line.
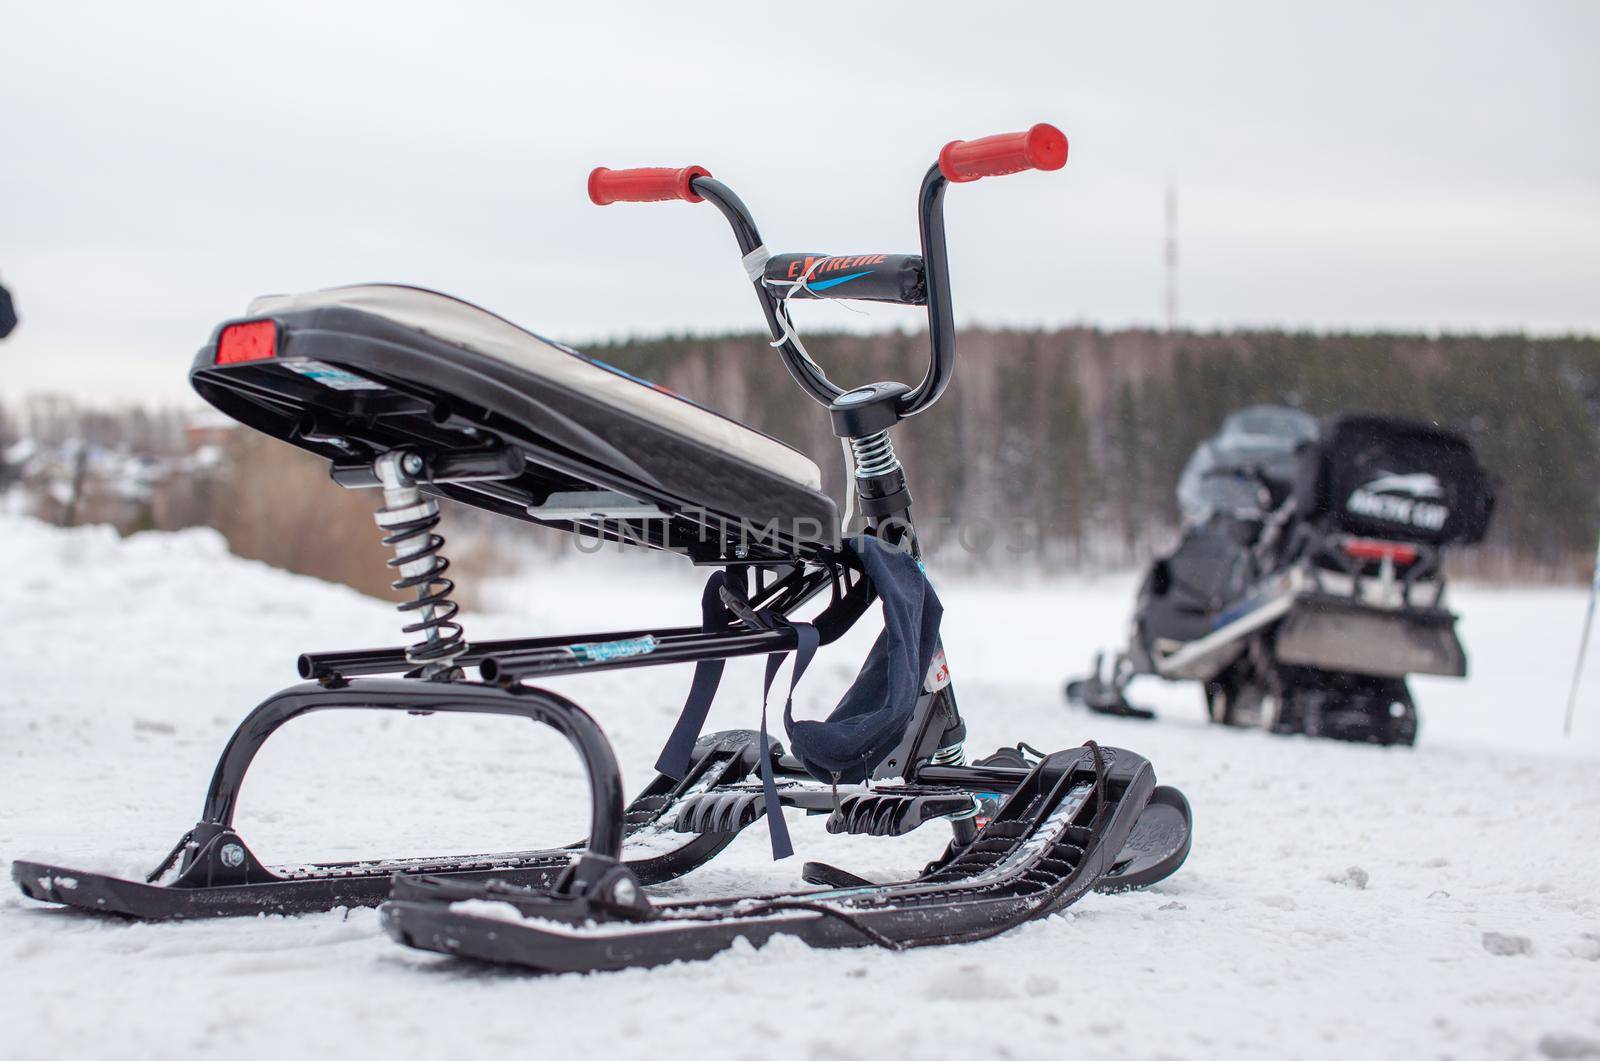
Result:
{"points": [[1340, 902]]}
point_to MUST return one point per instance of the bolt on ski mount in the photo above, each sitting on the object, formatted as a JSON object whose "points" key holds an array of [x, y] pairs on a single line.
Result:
{"points": [[421, 397]]}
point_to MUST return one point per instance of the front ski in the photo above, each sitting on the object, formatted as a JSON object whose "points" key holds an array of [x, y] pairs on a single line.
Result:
{"points": [[1057, 834], [1158, 845], [1156, 849], [220, 877]]}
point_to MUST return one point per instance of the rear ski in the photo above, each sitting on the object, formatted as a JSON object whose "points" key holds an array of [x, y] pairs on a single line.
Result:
{"points": [[213, 873]]}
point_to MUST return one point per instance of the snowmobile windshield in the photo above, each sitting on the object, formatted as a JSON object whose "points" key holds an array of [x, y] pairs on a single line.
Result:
{"points": [[1247, 467]]}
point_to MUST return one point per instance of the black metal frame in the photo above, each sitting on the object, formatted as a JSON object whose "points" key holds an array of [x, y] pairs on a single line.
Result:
{"points": [[427, 697], [511, 660]]}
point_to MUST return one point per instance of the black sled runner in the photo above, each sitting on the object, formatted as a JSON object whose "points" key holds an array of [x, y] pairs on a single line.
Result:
{"points": [[421, 397], [212, 872], [1308, 582]]}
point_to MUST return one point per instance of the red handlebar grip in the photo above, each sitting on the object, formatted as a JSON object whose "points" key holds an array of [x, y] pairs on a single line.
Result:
{"points": [[652, 184], [1042, 147]]}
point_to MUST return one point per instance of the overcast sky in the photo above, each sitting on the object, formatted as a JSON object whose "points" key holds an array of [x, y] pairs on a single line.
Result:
{"points": [[1339, 165]]}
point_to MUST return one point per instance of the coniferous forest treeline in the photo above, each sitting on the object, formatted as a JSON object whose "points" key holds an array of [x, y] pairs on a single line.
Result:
{"points": [[1079, 434], [1057, 450]]}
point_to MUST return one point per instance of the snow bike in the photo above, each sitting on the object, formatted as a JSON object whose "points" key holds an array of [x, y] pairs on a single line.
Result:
{"points": [[1307, 584], [420, 396]]}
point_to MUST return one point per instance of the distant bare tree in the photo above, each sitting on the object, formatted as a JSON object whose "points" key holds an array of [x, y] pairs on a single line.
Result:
{"points": [[276, 504]]}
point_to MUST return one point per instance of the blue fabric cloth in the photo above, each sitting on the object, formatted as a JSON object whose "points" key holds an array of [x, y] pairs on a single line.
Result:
{"points": [[872, 718]]}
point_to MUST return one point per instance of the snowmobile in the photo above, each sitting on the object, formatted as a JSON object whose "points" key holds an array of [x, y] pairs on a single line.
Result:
{"points": [[1307, 583], [421, 397]]}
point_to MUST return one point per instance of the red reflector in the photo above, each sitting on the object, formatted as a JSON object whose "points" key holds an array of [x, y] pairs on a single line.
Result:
{"points": [[251, 341], [1368, 549]]}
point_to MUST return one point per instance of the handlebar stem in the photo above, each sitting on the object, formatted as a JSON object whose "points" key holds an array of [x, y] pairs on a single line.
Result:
{"points": [[941, 318], [805, 371]]}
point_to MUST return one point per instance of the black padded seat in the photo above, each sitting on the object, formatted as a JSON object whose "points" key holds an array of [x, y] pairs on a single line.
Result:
{"points": [[343, 351]]}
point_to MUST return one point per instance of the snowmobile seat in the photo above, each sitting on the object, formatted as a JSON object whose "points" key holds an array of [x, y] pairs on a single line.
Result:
{"points": [[1185, 588], [351, 372]]}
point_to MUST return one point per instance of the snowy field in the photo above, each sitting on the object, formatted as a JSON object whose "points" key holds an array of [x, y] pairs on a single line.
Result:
{"points": [[1340, 902]]}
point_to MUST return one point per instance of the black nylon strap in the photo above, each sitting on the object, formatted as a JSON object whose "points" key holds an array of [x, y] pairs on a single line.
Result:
{"points": [[676, 753], [806, 641]]}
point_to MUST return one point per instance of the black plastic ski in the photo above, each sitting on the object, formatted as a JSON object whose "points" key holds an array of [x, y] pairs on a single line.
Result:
{"points": [[1052, 840], [1158, 845], [654, 848]]}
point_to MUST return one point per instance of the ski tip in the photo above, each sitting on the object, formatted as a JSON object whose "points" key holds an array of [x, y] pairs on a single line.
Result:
{"points": [[1158, 846]]}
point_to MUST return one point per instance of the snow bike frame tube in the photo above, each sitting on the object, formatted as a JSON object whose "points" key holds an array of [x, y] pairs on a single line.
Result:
{"points": [[515, 659], [673, 646], [1042, 147]]}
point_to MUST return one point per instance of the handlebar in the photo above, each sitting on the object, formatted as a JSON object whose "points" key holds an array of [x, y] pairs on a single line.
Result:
{"points": [[649, 184], [1042, 147]]}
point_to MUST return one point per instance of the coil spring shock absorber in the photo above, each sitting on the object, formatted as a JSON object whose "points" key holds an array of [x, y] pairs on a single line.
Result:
{"points": [[863, 417], [408, 519], [881, 486], [964, 824], [874, 455]]}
